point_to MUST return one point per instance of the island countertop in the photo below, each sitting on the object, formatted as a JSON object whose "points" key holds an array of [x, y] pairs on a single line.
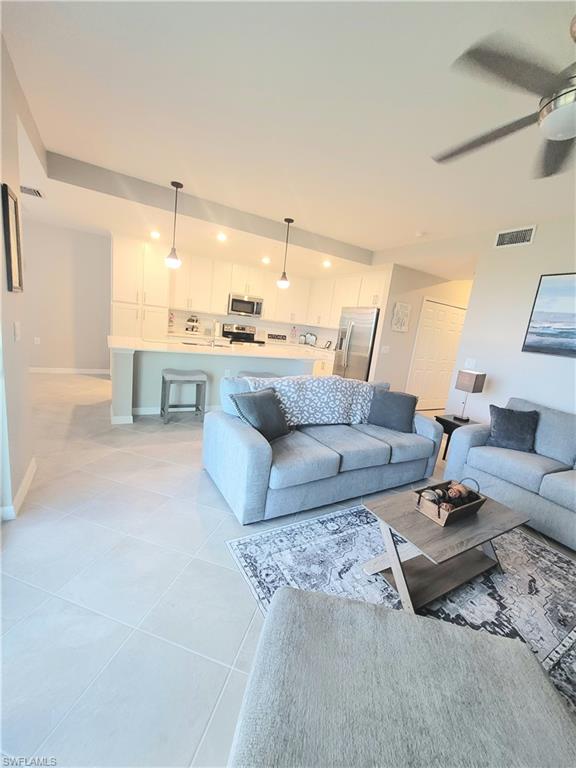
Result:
{"points": [[221, 348]]}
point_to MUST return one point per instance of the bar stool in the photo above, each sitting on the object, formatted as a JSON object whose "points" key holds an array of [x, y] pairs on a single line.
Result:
{"points": [[171, 376]]}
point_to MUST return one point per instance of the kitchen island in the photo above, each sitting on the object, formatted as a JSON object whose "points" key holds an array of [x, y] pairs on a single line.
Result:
{"points": [[136, 368]]}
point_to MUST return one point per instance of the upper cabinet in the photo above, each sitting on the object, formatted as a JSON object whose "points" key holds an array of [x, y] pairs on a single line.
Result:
{"points": [[156, 277], [373, 289], [191, 284], [247, 281], [127, 256], [292, 302], [221, 287], [320, 302], [346, 293], [269, 295]]}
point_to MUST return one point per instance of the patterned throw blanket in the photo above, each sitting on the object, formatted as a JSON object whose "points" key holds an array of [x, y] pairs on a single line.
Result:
{"points": [[319, 400]]}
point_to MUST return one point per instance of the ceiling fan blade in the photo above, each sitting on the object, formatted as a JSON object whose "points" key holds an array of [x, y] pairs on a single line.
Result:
{"points": [[510, 67], [554, 157], [487, 138]]}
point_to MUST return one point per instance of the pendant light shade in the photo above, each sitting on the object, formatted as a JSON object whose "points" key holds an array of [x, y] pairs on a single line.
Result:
{"points": [[284, 282], [173, 261]]}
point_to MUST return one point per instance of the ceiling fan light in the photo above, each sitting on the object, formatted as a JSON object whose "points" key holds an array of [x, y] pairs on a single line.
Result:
{"points": [[173, 261], [558, 117], [283, 282]]}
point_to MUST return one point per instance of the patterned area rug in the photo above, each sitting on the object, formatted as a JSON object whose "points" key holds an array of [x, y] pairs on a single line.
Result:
{"points": [[534, 599]]}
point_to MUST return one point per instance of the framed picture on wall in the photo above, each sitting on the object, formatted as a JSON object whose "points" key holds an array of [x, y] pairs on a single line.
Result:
{"points": [[552, 326], [11, 220], [401, 317]]}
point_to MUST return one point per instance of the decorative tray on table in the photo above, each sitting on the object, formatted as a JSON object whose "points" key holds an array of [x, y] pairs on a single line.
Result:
{"points": [[446, 502]]}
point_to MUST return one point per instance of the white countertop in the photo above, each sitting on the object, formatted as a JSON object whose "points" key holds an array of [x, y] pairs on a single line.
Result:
{"points": [[221, 348]]}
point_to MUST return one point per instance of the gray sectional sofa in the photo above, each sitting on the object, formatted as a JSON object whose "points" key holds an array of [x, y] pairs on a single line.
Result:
{"points": [[542, 484], [312, 465]]}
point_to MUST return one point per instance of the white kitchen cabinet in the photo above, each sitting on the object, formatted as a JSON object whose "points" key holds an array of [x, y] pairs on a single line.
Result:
{"points": [[126, 319], [221, 287], [269, 295], [154, 323], [346, 292], [292, 302], [127, 255], [320, 303], [247, 281], [191, 284], [372, 289], [156, 276]]}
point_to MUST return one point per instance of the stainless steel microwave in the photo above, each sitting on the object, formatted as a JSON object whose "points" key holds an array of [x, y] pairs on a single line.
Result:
{"points": [[247, 306]]}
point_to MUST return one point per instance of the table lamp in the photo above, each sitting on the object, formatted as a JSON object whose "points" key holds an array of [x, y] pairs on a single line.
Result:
{"points": [[468, 381]]}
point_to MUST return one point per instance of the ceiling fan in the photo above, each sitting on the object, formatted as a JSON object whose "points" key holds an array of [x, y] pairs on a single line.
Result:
{"points": [[556, 113]]}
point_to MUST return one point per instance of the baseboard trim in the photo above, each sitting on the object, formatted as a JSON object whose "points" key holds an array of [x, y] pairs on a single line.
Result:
{"points": [[121, 420], [10, 512], [92, 371]]}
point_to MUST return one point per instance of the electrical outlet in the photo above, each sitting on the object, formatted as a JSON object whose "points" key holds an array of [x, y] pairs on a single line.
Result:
{"points": [[227, 372], [470, 363], [17, 329], [37, 340]]}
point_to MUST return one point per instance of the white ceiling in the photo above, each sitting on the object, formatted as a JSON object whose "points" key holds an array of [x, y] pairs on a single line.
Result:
{"points": [[329, 112]]}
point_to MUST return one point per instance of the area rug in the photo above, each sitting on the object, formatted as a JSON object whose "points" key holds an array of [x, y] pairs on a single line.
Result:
{"points": [[533, 600]]}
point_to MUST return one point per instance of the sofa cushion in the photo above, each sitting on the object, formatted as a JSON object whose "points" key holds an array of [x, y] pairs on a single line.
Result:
{"points": [[231, 385], [262, 411], [404, 446], [517, 467], [512, 429], [356, 449], [298, 459], [393, 410], [556, 433], [560, 488]]}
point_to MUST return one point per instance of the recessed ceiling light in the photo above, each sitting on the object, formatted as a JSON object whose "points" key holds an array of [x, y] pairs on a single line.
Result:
{"points": [[155, 235], [222, 236], [266, 259], [326, 263]]}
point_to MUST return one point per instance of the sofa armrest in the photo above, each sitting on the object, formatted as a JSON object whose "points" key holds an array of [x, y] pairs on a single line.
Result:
{"points": [[427, 427], [238, 459], [461, 441]]}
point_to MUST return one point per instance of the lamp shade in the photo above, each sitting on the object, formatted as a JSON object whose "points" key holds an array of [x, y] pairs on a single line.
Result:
{"points": [[470, 381]]}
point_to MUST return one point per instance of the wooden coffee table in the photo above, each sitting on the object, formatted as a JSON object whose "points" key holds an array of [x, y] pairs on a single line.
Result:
{"points": [[450, 556]]}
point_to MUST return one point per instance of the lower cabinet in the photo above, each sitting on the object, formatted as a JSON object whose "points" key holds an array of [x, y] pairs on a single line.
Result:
{"points": [[126, 319], [154, 323]]}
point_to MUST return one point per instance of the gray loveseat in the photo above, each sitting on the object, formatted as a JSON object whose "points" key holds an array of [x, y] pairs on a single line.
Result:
{"points": [[312, 465], [542, 484]]}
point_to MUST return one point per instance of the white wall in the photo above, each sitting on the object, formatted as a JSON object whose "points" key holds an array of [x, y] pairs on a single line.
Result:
{"points": [[17, 439], [499, 311], [68, 291], [410, 286]]}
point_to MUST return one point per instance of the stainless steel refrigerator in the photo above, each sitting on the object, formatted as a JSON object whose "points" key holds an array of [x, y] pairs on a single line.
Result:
{"points": [[355, 342]]}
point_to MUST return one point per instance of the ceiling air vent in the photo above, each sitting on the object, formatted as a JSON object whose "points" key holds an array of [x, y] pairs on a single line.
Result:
{"points": [[31, 191], [515, 237]]}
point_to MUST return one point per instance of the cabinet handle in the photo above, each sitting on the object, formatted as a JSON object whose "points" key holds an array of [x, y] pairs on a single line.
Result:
{"points": [[137, 296], [144, 297], [144, 315]]}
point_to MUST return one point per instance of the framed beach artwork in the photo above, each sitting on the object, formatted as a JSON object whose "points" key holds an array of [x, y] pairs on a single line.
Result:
{"points": [[552, 326]]}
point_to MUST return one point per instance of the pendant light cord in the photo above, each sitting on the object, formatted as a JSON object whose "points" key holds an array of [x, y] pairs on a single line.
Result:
{"points": [[175, 212], [286, 246]]}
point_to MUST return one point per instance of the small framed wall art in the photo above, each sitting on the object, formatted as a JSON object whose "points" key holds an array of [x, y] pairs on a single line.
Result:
{"points": [[401, 317], [12, 247]]}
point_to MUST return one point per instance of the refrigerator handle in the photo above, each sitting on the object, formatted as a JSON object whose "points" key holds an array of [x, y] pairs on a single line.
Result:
{"points": [[347, 346]]}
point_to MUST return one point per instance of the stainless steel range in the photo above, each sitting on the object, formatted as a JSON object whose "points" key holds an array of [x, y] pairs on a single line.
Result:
{"points": [[240, 334]]}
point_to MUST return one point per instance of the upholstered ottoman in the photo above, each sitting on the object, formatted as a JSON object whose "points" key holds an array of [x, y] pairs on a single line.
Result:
{"points": [[341, 683]]}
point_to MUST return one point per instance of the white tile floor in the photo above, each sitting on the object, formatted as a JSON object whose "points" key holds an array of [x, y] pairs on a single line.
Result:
{"points": [[128, 631]]}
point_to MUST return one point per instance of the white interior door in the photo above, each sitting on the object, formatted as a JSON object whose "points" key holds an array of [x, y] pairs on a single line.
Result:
{"points": [[434, 353]]}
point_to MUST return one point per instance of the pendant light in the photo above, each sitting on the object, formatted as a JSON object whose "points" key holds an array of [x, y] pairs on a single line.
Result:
{"points": [[173, 261], [284, 282]]}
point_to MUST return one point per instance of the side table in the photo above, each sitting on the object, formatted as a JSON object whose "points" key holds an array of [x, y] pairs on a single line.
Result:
{"points": [[449, 424]]}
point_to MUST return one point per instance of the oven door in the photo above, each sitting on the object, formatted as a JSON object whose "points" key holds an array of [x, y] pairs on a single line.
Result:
{"points": [[240, 305]]}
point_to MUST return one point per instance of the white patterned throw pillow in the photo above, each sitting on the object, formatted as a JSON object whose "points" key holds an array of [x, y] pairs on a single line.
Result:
{"points": [[319, 400]]}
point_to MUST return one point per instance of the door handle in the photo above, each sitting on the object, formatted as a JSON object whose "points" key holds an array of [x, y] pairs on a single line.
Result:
{"points": [[347, 344]]}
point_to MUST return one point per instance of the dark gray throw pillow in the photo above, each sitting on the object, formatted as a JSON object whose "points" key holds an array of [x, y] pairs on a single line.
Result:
{"points": [[394, 410], [512, 429], [262, 411]]}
